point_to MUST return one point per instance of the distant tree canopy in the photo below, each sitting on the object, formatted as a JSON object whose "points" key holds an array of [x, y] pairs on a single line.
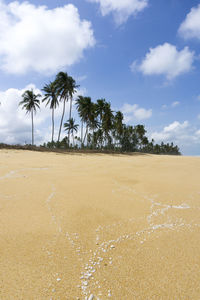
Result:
{"points": [[101, 127]]}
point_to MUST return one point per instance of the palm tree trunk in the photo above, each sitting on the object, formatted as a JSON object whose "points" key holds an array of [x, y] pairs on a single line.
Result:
{"points": [[68, 138], [32, 127], [81, 132], [61, 122], [93, 137], [52, 124], [70, 115], [73, 138], [85, 134]]}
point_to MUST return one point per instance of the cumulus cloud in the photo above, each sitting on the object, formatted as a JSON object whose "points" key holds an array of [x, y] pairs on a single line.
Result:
{"points": [[15, 124], [182, 134], [167, 60], [134, 112], [190, 28], [121, 9], [35, 38]]}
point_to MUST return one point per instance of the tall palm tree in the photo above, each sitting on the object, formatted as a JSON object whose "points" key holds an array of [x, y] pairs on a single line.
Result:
{"points": [[71, 126], [118, 125], [87, 111], [62, 90], [100, 108], [65, 87], [79, 106], [107, 121], [51, 97], [72, 90], [93, 121], [30, 102]]}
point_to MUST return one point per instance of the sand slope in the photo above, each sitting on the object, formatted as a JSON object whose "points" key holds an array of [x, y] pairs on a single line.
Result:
{"points": [[117, 227]]}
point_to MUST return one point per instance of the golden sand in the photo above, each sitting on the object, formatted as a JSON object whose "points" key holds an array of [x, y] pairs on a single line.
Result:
{"points": [[116, 227]]}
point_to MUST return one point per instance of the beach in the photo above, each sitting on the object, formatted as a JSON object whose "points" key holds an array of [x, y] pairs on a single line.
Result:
{"points": [[99, 226]]}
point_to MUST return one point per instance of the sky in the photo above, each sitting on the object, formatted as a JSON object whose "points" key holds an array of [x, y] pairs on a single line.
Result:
{"points": [[142, 56]]}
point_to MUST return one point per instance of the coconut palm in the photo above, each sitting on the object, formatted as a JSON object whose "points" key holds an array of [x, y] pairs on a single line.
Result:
{"points": [[30, 103], [65, 87], [62, 90], [70, 126], [72, 90], [87, 109], [100, 108], [79, 106], [51, 98], [118, 125], [107, 121]]}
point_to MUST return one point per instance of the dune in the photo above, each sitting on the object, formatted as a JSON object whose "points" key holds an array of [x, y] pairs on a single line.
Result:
{"points": [[96, 226]]}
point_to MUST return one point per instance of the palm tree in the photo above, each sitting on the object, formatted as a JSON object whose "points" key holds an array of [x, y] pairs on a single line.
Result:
{"points": [[118, 125], [86, 113], [30, 102], [93, 121], [79, 105], [51, 97], [72, 90], [140, 133], [65, 87], [100, 108], [62, 90], [71, 126], [85, 108], [107, 121]]}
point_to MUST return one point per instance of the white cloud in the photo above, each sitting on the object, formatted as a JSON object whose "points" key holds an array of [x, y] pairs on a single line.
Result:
{"points": [[182, 134], [190, 28], [121, 9], [198, 116], [175, 103], [134, 112], [167, 60], [15, 124], [35, 38], [176, 127]]}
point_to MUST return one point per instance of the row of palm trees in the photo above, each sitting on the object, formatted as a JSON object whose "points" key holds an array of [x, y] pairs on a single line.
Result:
{"points": [[101, 127], [60, 90]]}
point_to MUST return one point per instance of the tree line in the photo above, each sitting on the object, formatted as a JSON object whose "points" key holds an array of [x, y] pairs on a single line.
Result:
{"points": [[101, 127]]}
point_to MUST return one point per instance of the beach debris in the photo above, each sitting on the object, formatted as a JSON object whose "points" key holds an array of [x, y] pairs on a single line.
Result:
{"points": [[58, 279], [112, 246], [91, 297]]}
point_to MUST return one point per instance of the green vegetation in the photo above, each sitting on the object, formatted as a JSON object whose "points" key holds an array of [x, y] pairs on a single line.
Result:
{"points": [[102, 129]]}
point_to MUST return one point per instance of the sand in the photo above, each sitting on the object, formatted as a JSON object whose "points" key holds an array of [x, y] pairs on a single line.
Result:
{"points": [[112, 227]]}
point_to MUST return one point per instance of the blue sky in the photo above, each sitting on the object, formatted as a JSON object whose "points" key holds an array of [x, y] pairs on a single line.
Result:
{"points": [[141, 55]]}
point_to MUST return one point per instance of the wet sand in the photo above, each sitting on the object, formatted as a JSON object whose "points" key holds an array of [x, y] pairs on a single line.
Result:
{"points": [[116, 227]]}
